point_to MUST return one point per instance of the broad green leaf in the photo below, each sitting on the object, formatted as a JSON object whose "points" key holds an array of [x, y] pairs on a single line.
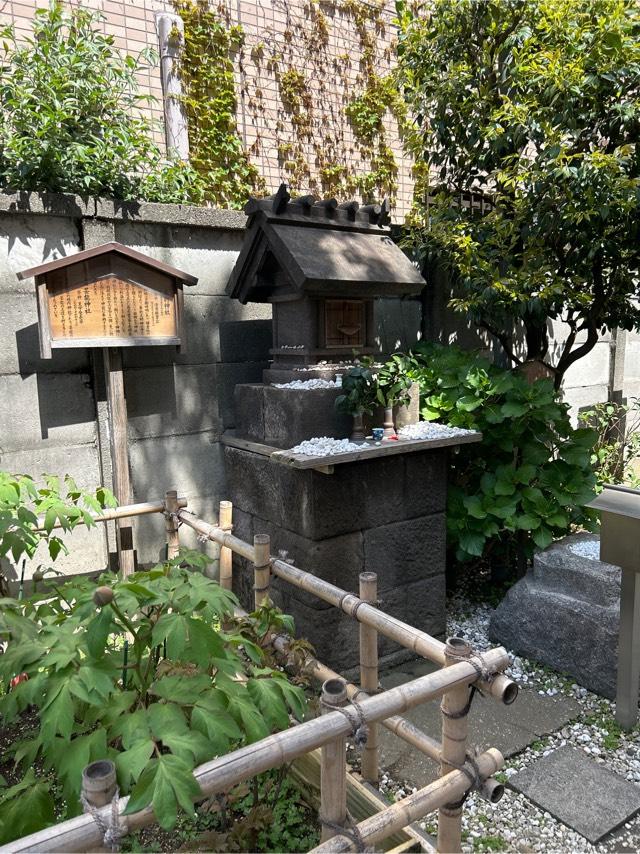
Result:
{"points": [[131, 763], [31, 809]]}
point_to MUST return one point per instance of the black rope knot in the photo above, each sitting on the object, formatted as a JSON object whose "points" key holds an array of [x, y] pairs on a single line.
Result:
{"points": [[350, 830]]}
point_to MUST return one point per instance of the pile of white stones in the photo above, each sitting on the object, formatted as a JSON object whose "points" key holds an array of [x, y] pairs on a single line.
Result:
{"points": [[306, 385], [323, 446], [430, 430]]}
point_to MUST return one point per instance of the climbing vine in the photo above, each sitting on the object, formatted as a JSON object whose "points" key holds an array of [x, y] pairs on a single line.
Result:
{"points": [[206, 66], [335, 102]]}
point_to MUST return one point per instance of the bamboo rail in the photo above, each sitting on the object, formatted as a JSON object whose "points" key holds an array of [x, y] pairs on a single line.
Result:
{"points": [[124, 512], [83, 834], [500, 687], [462, 669], [419, 804]]}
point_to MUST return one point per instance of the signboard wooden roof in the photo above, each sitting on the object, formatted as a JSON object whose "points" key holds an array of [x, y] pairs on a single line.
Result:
{"points": [[110, 296]]}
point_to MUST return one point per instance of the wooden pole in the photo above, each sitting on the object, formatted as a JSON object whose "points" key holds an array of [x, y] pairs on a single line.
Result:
{"points": [[261, 568], [500, 687], [455, 728], [369, 673], [333, 765], [226, 555], [414, 807], [220, 774], [171, 523], [114, 379], [628, 650]]}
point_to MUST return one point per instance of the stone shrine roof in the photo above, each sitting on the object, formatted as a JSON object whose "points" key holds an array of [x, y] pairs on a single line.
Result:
{"points": [[304, 246]]}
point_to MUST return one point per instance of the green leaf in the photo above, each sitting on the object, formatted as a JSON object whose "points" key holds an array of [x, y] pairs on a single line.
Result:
{"points": [[472, 543], [131, 763], [473, 504], [526, 522], [542, 537], [166, 782], [25, 808]]}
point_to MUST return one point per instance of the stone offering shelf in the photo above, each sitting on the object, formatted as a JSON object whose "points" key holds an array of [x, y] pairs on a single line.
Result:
{"points": [[368, 450]]}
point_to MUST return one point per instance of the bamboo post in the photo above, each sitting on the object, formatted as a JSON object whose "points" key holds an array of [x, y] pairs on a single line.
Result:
{"points": [[369, 673], [226, 555], [99, 783], [333, 766], [171, 523], [261, 568], [114, 379], [454, 708]]}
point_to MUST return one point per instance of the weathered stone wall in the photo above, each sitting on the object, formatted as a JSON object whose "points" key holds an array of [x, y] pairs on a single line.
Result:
{"points": [[54, 412]]}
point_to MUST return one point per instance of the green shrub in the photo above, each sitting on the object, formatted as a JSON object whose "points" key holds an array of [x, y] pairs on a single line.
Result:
{"points": [[70, 115], [152, 671], [529, 479]]}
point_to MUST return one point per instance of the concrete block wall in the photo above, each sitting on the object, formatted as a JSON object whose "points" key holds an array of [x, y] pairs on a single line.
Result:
{"points": [[54, 413]]}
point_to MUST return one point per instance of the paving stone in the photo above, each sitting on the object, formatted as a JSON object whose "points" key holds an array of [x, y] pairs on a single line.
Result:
{"points": [[582, 794]]}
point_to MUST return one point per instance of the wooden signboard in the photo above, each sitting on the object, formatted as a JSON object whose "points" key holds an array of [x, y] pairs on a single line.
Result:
{"points": [[110, 297]]}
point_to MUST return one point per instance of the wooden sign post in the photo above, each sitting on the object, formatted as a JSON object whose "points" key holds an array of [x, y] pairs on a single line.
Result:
{"points": [[111, 297]]}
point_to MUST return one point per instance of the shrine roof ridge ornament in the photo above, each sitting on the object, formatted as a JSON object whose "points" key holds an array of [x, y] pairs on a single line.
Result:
{"points": [[308, 246], [118, 248]]}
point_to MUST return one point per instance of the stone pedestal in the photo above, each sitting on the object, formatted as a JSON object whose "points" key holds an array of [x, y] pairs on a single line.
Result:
{"points": [[565, 613], [384, 515]]}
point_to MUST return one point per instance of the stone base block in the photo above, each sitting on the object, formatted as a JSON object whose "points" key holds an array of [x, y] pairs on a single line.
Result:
{"points": [[283, 417], [565, 613], [356, 497]]}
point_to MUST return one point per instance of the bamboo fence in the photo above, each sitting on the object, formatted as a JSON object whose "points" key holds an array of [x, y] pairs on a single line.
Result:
{"points": [[349, 711]]}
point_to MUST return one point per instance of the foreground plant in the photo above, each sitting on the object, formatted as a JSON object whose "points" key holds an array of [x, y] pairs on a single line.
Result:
{"points": [[152, 672]]}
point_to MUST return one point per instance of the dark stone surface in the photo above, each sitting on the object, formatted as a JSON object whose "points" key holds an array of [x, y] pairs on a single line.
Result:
{"points": [[248, 402], [579, 792], [292, 415], [565, 614], [407, 551], [357, 496]]}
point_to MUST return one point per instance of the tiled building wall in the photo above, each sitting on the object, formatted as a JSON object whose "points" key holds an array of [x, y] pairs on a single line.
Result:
{"points": [[322, 39]]}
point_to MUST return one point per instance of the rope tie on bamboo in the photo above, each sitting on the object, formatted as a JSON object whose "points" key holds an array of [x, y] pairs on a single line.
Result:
{"points": [[350, 831], [358, 722], [482, 671], [112, 831], [174, 516], [472, 772]]}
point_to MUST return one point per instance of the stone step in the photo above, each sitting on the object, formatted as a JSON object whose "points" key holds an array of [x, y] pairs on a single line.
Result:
{"points": [[561, 569]]}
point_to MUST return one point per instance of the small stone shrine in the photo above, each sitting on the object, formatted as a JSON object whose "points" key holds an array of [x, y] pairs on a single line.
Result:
{"points": [[381, 508]]}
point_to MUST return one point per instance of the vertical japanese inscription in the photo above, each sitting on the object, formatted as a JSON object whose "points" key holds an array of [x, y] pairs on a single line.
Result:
{"points": [[112, 308]]}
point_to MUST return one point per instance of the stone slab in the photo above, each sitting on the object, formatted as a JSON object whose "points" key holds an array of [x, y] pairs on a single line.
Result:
{"points": [[581, 793], [508, 728]]}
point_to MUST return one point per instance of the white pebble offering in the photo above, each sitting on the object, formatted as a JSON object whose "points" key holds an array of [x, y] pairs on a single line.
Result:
{"points": [[323, 446], [307, 385], [430, 430]]}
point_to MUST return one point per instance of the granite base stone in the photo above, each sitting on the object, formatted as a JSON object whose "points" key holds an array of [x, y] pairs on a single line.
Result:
{"points": [[565, 614]]}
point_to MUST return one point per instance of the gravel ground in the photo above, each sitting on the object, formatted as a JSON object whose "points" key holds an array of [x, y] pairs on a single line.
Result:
{"points": [[516, 824]]}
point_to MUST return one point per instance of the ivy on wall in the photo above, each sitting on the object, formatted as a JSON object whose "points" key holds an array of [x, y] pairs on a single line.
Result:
{"points": [[314, 147], [206, 66]]}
